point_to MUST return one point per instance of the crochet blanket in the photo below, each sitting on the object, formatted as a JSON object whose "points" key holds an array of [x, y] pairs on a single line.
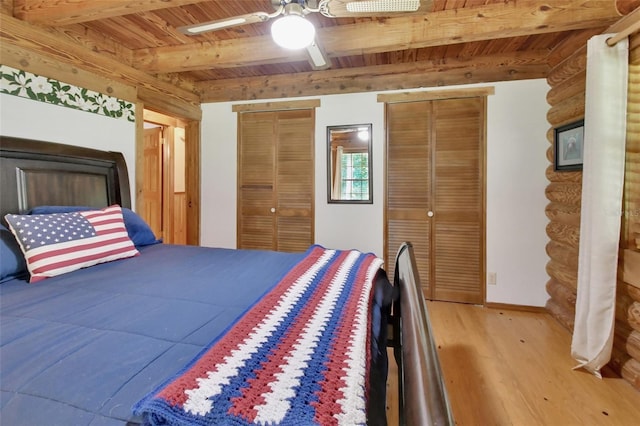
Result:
{"points": [[299, 356]]}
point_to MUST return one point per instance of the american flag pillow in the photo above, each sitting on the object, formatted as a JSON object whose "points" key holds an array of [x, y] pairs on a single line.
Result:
{"points": [[55, 244]]}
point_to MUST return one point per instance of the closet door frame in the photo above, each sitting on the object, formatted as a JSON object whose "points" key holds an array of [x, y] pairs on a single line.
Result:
{"points": [[275, 107], [481, 92]]}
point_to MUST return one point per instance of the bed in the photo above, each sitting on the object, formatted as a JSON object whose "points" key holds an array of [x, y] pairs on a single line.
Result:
{"points": [[123, 340]]}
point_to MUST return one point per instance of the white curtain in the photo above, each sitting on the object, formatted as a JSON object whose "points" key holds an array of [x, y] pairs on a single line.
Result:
{"points": [[337, 175], [602, 183]]}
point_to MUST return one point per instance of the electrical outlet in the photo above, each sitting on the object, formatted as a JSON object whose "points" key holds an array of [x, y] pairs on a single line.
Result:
{"points": [[492, 278]]}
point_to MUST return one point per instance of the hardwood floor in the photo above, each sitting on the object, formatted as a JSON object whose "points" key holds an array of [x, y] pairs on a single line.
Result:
{"points": [[504, 367]]}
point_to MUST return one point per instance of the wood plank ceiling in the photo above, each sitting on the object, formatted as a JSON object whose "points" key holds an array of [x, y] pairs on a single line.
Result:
{"points": [[457, 41]]}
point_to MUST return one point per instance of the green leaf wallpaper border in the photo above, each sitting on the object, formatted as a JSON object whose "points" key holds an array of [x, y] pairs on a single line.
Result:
{"points": [[31, 86]]}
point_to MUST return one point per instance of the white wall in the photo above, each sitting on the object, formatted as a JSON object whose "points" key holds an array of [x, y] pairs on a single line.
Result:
{"points": [[336, 225], [516, 182], [516, 163], [348, 226], [26, 118]]}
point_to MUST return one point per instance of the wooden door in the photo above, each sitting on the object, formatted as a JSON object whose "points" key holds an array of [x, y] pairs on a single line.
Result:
{"points": [[275, 180], [152, 181], [435, 193], [192, 181], [176, 221], [256, 180], [408, 184], [458, 200], [294, 180], [179, 197]]}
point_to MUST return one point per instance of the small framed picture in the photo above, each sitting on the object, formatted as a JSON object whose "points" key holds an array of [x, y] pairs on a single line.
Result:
{"points": [[569, 146]]}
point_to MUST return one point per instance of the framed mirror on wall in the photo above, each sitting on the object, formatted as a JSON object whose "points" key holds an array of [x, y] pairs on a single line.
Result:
{"points": [[349, 164]]}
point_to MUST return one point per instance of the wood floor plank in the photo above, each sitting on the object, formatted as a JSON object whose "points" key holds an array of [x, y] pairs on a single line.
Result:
{"points": [[504, 367]]}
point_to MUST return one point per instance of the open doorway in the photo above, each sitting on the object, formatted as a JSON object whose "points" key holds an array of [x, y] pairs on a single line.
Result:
{"points": [[163, 185]]}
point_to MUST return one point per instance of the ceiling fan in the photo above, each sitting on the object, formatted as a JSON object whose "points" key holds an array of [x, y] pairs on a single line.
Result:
{"points": [[293, 31]]}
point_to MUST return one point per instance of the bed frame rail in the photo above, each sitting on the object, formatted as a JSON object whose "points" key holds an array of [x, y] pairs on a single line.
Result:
{"points": [[423, 398]]}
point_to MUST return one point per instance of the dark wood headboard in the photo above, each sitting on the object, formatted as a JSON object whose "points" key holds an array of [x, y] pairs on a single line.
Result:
{"points": [[35, 173]]}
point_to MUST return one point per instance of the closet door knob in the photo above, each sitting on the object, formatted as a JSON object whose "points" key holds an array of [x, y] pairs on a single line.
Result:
{"points": [[273, 209], [430, 213]]}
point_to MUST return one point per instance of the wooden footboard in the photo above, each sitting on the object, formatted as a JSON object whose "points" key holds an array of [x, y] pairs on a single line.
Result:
{"points": [[422, 395]]}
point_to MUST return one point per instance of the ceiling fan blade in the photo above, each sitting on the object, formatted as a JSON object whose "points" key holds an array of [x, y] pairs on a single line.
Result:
{"points": [[249, 18], [355, 8], [317, 58]]}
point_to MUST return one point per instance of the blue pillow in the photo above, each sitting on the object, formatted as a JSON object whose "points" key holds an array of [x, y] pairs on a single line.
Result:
{"points": [[138, 230], [12, 263]]}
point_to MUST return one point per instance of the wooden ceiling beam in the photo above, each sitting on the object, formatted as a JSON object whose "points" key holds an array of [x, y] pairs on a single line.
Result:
{"points": [[19, 38], [480, 69], [65, 12], [232, 53], [627, 6], [572, 43], [509, 19]]}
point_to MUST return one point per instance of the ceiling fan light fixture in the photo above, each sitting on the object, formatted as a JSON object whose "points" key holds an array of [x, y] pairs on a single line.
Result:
{"points": [[293, 31], [318, 59], [212, 26]]}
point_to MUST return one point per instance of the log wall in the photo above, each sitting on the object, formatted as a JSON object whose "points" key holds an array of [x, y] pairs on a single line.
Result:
{"points": [[632, 174], [566, 100], [626, 343]]}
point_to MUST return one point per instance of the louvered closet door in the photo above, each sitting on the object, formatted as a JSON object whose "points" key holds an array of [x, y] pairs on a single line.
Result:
{"points": [[294, 180], [408, 190], [458, 218], [256, 180], [275, 180], [435, 193]]}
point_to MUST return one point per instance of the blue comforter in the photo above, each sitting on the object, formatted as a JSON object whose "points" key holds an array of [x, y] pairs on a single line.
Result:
{"points": [[81, 348]]}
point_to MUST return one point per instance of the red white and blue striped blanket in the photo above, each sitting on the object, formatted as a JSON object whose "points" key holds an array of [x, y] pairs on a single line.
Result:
{"points": [[299, 356]]}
